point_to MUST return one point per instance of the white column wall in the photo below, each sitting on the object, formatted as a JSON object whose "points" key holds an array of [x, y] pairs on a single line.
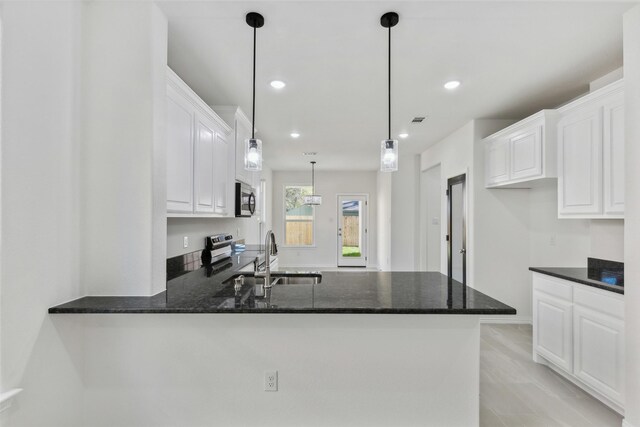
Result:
{"points": [[123, 150], [632, 215], [40, 211]]}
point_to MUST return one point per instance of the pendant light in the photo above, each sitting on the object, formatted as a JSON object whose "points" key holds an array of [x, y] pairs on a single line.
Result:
{"points": [[313, 199], [389, 147], [253, 146]]}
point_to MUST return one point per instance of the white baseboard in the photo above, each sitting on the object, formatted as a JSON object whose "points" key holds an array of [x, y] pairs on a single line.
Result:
{"points": [[520, 320], [626, 423]]}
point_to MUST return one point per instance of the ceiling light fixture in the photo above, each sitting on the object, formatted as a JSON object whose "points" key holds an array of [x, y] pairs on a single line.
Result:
{"points": [[389, 147], [295, 135], [313, 199], [253, 146], [403, 135], [278, 84], [452, 84]]}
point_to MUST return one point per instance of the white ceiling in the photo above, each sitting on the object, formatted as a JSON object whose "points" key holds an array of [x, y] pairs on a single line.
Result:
{"points": [[513, 58]]}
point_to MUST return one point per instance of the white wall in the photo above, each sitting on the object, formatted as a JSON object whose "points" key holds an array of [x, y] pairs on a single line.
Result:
{"points": [[501, 234], [328, 185], [123, 150], [40, 211], [632, 215], [201, 370], [405, 186], [555, 242], [607, 239], [383, 229], [454, 154]]}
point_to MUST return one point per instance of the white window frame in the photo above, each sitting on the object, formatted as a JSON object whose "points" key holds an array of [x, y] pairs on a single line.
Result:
{"points": [[284, 219]]}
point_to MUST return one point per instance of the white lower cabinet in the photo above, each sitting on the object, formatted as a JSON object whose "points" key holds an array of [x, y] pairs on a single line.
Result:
{"points": [[598, 350], [580, 330], [554, 329]]}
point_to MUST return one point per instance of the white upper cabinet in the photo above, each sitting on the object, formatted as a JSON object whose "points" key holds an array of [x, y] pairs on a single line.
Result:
{"points": [[222, 190], [241, 125], [591, 155], [180, 117], [613, 156], [497, 162], [204, 156], [197, 154], [523, 152]]}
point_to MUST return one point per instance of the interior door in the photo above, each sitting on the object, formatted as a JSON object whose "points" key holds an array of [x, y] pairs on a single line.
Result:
{"points": [[352, 231], [457, 238]]}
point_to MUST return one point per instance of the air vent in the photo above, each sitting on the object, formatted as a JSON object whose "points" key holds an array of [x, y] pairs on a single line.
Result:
{"points": [[309, 153], [418, 119]]}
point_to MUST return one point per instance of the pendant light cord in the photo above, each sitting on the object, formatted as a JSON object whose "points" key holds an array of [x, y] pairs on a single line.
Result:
{"points": [[253, 112], [389, 93]]}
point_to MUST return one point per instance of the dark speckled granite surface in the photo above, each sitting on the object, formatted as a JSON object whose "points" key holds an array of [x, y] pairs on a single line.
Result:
{"points": [[600, 273], [204, 291]]}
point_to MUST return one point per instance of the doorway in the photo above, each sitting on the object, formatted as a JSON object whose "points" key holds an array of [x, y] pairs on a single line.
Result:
{"points": [[431, 241], [352, 230], [457, 235]]}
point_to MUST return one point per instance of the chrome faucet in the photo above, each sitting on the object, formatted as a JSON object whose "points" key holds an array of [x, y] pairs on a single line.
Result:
{"points": [[269, 246]]}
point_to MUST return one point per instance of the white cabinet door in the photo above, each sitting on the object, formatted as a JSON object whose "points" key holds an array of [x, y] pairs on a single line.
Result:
{"points": [[613, 157], [580, 163], [180, 120], [221, 174], [553, 329], [243, 132], [599, 352], [496, 161], [526, 154], [203, 164]]}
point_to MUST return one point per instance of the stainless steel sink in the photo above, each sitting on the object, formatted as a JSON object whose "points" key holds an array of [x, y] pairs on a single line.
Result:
{"points": [[280, 279]]}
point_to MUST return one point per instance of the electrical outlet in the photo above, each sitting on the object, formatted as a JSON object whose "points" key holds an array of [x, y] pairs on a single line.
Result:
{"points": [[185, 242], [271, 381]]}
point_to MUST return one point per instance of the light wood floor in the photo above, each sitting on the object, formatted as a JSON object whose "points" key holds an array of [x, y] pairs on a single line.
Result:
{"points": [[515, 391]]}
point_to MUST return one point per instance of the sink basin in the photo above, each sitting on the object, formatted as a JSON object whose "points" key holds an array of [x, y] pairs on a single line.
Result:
{"points": [[283, 278]]}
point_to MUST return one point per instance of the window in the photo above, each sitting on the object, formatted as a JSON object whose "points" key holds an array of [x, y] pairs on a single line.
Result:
{"points": [[298, 217]]}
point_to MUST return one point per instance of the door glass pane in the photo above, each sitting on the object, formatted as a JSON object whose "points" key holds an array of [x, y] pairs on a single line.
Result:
{"points": [[351, 228], [457, 226]]}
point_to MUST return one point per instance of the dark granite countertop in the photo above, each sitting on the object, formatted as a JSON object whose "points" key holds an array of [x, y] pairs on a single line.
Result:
{"points": [[204, 290], [584, 276]]}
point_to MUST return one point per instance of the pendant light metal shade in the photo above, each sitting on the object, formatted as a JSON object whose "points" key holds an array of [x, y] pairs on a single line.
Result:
{"points": [[313, 199], [389, 147], [253, 146]]}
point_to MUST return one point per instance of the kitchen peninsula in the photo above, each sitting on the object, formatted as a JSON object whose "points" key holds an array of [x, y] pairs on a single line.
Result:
{"points": [[402, 345]]}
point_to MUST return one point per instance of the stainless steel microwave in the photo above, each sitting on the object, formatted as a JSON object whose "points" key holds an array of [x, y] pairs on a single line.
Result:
{"points": [[245, 200]]}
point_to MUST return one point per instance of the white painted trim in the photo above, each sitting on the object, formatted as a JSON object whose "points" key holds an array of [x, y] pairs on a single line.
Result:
{"points": [[507, 320], [284, 219], [626, 423], [6, 398], [366, 226]]}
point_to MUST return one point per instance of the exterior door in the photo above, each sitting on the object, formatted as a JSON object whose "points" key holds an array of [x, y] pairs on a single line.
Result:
{"points": [[352, 231], [457, 237]]}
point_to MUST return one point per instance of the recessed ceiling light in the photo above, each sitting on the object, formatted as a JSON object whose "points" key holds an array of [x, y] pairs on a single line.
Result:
{"points": [[277, 84], [403, 135], [452, 84], [295, 135], [309, 153]]}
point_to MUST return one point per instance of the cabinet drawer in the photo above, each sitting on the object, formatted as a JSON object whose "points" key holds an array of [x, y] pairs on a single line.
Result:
{"points": [[552, 286], [599, 300]]}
